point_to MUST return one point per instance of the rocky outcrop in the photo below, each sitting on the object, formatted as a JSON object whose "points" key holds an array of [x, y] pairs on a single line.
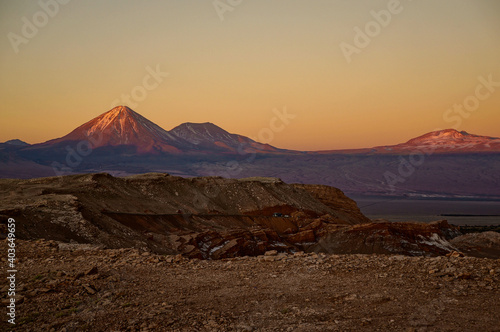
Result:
{"points": [[484, 245], [345, 208], [404, 238], [208, 217]]}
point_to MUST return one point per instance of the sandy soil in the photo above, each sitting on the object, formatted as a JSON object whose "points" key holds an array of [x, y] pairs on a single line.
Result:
{"points": [[74, 287]]}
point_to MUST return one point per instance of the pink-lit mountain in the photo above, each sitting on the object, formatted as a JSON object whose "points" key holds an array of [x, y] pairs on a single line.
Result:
{"points": [[208, 135], [446, 141], [122, 126], [123, 142], [441, 141]]}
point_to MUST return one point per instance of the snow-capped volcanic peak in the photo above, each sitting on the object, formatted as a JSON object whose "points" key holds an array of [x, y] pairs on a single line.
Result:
{"points": [[209, 136], [207, 132], [449, 136], [125, 124], [449, 133], [450, 140], [122, 126]]}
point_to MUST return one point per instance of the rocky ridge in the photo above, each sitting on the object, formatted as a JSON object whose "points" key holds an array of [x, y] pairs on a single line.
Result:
{"points": [[216, 218], [200, 217]]}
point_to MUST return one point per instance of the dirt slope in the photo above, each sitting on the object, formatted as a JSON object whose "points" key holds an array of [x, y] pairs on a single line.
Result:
{"points": [[65, 287]]}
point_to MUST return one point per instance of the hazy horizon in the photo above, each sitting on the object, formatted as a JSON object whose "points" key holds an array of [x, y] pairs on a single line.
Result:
{"points": [[255, 138], [233, 63]]}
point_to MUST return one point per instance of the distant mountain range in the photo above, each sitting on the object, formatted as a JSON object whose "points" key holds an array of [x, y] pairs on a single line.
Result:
{"points": [[446, 141], [121, 142], [121, 126], [14, 142], [441, 141]]}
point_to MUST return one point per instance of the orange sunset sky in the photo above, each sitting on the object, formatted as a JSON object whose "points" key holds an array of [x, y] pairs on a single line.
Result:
{"points": [[232, 62]]}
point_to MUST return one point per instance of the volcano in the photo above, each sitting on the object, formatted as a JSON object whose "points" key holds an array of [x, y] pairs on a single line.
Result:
{"points": [[447, 163], [209, 136], [123, 126], [446, 141]]}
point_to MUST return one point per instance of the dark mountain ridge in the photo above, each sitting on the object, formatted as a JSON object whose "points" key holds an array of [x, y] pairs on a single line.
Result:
{"points": [[121, 142]]}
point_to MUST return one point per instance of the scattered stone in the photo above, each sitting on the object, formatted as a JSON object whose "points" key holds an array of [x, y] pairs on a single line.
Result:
{"points": [[271, 253], [278, 292], [89, 289], [455, 254]]}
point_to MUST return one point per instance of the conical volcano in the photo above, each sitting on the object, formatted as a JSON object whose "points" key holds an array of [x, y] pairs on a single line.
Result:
{"points": [[122, 126]]}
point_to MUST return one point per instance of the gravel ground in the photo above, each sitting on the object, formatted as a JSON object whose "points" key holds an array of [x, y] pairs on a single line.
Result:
{"points": [[65, 287]]}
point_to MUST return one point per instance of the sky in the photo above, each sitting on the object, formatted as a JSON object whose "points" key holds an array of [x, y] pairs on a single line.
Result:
{"points": [[298, 74]]}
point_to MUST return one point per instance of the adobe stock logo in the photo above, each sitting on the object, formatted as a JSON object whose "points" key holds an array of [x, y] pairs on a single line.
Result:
{"points": [[74, 157], [408, 165], [484, 89], [29, 30], [372, 29], [223, 6], [150, 81], [233, 168], [276, 125]]}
